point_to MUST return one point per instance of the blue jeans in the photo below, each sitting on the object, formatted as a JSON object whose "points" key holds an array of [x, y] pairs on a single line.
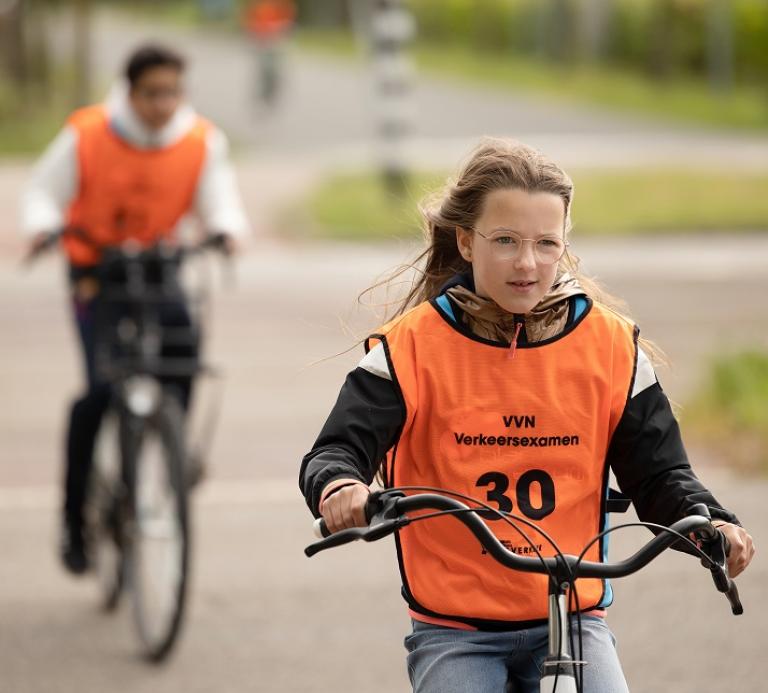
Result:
{"points": [[448, 660]]}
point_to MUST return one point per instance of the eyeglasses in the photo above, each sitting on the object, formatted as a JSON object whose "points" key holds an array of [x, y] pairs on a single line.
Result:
{"points": [[158, 93], [505, 245]]}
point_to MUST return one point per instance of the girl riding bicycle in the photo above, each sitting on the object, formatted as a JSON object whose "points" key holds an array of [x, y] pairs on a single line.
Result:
{"points": [[505, 373]]}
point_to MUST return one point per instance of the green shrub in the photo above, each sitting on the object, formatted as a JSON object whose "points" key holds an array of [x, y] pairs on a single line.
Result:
{"points": [[609, 203], [667, 37], [731, 410]]}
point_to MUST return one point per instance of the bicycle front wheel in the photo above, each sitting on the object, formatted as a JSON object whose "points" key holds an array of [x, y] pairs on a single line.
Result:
{"points": [[104, 513], [159, 546]]}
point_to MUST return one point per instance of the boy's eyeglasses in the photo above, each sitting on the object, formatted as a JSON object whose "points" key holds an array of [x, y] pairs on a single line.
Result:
{"points": [[158, 93], [507, 244]]}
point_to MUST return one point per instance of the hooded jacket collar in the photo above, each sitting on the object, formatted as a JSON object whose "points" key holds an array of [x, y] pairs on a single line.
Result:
{"points": [[488, 320], [129, 127]]}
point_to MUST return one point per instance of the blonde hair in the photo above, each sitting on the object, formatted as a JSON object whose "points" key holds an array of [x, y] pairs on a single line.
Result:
{"points": [[495, 164]]}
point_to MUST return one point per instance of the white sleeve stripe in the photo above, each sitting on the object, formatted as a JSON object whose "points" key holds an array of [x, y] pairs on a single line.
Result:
{"points": [[375, 362], [644, 375]]}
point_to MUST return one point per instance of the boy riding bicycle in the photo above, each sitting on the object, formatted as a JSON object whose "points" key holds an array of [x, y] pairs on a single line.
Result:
{"points": [[125, 171]]}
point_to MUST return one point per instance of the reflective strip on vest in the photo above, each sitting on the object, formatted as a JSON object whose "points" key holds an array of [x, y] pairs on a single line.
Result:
{"points": [[127, 193], [527, 434]]}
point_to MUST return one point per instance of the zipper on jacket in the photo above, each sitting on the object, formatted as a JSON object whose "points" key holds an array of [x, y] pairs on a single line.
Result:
{"points": [[519, 322]]}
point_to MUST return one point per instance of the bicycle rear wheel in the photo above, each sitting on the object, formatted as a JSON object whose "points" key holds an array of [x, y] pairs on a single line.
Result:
{"points": [[159, 545]]}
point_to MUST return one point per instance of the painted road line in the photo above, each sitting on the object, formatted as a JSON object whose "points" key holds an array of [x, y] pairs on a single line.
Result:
{"points": [[211, 494]]}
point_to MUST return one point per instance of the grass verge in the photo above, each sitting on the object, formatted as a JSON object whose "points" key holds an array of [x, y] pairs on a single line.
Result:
{"points": [[730, 412], [27, 129], [357, 206]]}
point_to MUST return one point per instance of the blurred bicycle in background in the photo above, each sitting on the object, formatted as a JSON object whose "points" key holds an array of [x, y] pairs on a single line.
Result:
{"points": [[137, 510]]}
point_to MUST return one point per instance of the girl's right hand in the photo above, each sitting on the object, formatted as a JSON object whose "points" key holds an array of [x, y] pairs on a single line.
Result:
{"points": [[345, 508]]}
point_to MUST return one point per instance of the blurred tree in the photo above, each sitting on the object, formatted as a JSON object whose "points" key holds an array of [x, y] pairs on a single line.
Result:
{"points": [[660, 44], [324, 13], [594, 27], [23, 52], [216, 9], [723, 40], [361, 18], [559, 30], [83, 80], [12, 42], [720, 44]]}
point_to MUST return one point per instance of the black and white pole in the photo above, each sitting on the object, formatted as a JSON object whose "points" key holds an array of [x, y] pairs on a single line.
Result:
{"points": [[392, 30]]}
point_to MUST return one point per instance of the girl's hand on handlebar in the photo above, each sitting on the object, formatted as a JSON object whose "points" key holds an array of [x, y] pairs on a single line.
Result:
{"points": [[345, 508], [742, 547]]}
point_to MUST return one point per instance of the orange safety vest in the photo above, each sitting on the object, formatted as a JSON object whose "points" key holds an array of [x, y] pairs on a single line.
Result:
{"points": [[527, 433], [269, 19], [128, 193]]}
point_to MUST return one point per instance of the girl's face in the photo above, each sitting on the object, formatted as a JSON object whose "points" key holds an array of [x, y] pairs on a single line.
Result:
{"points": [[516, 281]]}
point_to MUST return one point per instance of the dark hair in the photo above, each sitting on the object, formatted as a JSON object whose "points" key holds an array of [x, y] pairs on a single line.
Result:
{"points": [[148, 57]]}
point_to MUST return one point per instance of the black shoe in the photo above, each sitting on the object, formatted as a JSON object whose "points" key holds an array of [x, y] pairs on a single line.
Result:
{"points": [[73, 553]]}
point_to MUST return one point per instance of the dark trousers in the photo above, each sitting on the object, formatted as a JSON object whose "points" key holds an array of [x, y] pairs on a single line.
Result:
{"points": [[88, 410]]}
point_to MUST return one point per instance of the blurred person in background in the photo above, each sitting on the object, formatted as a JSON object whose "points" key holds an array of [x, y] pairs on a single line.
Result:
{"points": [[133, 168], [268, 22]]}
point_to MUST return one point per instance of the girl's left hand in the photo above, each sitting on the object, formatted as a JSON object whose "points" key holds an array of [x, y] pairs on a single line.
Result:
{"points": [[742, 547]]}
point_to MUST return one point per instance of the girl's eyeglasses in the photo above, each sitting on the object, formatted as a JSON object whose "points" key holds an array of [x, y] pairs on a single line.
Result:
{"points": [[507, 244]]}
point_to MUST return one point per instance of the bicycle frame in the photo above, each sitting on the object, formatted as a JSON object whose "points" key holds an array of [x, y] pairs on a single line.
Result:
{"points": [[387, 513]]}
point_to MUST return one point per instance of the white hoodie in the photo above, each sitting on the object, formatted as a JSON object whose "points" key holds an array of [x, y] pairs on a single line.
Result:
{"points": [[54, 181]]}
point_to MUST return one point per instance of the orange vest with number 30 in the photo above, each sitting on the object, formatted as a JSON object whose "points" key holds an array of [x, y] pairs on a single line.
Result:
{"points": [[526, 433]]}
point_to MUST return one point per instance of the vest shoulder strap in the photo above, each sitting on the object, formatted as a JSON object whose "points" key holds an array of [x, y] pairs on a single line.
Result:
{"points": [[88, 117]]}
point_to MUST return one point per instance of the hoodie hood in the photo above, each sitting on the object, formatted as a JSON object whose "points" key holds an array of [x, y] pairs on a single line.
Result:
{"points": [[489, 320], [129, 127]]}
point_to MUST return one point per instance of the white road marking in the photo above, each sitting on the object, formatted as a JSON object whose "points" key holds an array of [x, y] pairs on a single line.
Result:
{"points": [[211, 494]]}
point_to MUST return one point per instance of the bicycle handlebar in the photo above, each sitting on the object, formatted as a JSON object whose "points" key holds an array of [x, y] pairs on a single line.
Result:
{"points": [[386, 512], [214, 241]]}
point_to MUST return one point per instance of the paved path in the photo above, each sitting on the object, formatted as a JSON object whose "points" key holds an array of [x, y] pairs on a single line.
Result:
{"points": [[264, 618], [327, 113]]}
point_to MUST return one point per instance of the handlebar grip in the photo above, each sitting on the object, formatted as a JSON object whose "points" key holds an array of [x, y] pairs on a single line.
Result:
{"points": [[48, 242], [728, 587], [733, 598], [216, 241], [345, 536], [319, 528]]}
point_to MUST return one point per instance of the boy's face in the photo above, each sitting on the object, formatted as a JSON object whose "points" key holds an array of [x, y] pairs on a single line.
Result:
{"points": [[517, 282], [156, 95]]}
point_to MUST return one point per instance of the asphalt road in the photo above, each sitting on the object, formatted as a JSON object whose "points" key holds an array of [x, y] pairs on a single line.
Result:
{"points": [[263, 617]]}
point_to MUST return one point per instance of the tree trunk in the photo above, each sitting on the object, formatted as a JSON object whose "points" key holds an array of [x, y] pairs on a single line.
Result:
{"points": [[12, 38], [559, 31], [661, 43], [594, 21], [720, 45], [83, 81]]}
